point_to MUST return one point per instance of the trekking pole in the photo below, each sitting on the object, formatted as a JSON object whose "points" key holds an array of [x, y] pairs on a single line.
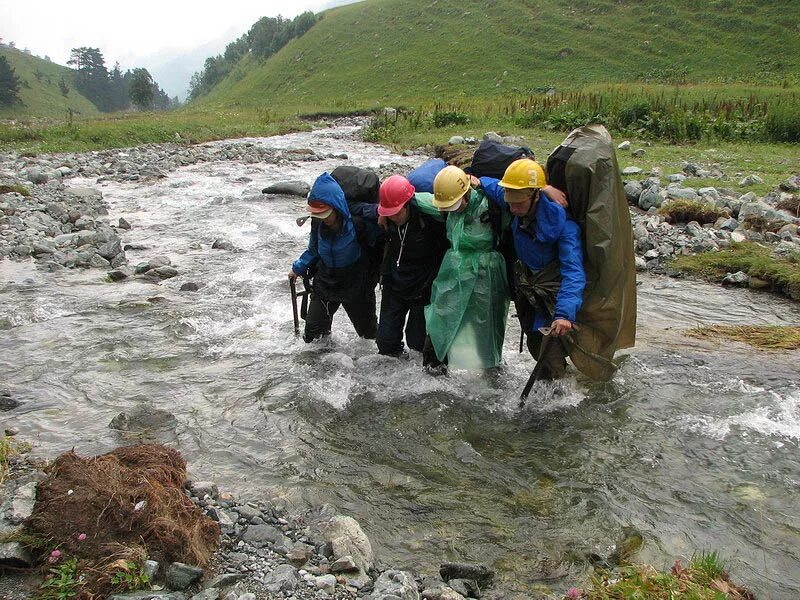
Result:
{"points": [[293, 290], [537, 370]]}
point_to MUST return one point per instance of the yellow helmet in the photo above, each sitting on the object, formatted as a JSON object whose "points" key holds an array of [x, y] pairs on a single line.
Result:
{"points": [[450, 185], [522, 174]]}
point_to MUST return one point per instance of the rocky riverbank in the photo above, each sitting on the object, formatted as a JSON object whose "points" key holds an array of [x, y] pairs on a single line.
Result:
{"points": [[264, 553], [45, 219]]}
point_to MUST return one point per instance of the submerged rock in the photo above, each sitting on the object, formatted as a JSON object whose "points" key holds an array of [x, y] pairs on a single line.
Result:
{"points": [[142, 418]]}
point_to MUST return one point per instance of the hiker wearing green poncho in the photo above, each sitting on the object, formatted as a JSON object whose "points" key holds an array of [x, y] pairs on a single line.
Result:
{"points": [[466, 319]]}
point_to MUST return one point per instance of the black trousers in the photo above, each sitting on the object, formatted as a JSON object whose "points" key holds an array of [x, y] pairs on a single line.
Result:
{"points": [[361, 313], [394, 310], [554, 357]]}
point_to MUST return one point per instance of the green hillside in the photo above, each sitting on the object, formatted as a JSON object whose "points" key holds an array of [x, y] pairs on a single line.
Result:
{"points": [[385, 52], [40, 92]]}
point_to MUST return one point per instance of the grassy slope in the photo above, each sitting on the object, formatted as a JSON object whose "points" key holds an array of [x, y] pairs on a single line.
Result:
{"points": [[42, 97], [383, 52]]}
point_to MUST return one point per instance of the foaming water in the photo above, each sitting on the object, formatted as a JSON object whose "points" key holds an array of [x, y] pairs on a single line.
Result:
{"points": [[693, 443]]}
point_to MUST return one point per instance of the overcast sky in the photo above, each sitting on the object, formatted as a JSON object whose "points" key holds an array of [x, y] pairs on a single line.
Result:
{"points": [[139, 32]]}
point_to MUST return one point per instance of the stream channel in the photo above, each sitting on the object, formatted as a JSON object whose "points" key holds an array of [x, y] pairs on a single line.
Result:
{"points": [[694, 444]]}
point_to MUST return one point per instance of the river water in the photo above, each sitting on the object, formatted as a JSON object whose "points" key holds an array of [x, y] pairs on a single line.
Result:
{"points": [[693, 444]]}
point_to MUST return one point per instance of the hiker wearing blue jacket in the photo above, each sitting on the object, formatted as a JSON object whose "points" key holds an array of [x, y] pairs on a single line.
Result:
{"points": [[549, 276], [337, 262]]}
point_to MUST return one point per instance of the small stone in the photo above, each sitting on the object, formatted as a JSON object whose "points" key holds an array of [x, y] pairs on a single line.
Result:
{"points": [[344, 565], [123, 223], [740, 278], [180, 576], [751, 180], [221, 244], [626, 145], [628, 171], [638, 153], [326, 583], [455, 140], [150, 568], [190, 286], [165, 272]]}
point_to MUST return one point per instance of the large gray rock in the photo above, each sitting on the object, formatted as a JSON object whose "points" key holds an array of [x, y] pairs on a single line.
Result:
{"points": [[288, 188], [682, 193], [633, 189], [395, 585], [180, 576], [650, 198], [110, 249], [348, 539], [284, 578], [493, 136]]}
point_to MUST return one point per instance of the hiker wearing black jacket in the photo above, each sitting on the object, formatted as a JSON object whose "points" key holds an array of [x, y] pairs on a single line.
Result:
{"points": [[416, 243]]}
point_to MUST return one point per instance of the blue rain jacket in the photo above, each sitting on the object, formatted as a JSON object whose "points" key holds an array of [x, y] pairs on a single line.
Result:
{"points": [[550, 235], [335, 249]]}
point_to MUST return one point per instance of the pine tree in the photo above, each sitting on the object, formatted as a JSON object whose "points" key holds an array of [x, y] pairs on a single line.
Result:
{"points": [[9, 83]]}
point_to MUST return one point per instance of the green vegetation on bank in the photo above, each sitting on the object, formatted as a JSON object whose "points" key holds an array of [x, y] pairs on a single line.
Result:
{"points": [[133, 129], [392, 52], [704, 578], [46, 91], [780, 274], [674, 114]]}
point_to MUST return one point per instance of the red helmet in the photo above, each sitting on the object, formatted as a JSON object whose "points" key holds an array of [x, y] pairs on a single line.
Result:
{"points": [[395, 192]]}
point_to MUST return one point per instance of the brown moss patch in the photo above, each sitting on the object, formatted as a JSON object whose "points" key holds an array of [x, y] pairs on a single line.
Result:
{"points": [[458, 155], [130, 504], [764, 337], [685, 211], [791, 205]]}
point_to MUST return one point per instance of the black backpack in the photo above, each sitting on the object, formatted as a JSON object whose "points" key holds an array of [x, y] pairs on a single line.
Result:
{"points": [[358, 185], [491, 159]]}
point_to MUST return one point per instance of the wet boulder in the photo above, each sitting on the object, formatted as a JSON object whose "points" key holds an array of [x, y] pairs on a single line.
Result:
{"points": [[482, 574], [222, 244], [288, 188]]}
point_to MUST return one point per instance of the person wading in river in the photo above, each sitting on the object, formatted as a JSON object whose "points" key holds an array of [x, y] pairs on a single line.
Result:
{"points": [[466, 318], [549, 276], [337, 263], [416, 243]]}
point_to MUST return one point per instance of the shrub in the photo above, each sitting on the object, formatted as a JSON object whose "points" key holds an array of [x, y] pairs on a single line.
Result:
{"points": [[783, 123], [450, 117]]}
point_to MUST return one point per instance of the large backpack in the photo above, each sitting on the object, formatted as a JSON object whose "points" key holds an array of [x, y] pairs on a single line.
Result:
{"points": [[492, 158], [358, 185], [585, 167]]}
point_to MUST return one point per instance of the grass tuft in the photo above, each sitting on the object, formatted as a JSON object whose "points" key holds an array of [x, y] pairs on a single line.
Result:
{"points": [[703, 579], [19, 189], [764, 337]]}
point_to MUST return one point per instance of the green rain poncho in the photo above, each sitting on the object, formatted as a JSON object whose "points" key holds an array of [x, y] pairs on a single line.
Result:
{"points": [[466, 318]]}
